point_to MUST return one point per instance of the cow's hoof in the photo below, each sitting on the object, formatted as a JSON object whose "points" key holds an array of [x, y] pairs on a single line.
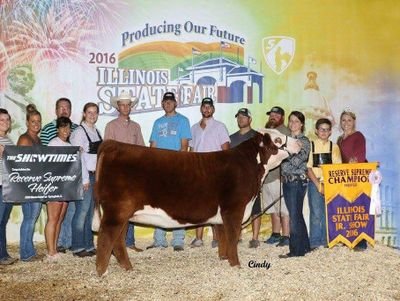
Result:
{"points": [[126, 267], [102, 274]]}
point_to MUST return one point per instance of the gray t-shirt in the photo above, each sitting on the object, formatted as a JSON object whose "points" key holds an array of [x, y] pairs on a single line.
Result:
{"points": [[237, 138]]}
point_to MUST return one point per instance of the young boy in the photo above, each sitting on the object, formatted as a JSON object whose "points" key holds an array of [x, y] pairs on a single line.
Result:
{"points": [[323, 151]]}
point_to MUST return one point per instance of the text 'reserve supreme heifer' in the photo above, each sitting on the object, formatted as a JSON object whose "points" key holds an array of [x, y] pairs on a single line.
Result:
{"points": [[179, 189]]}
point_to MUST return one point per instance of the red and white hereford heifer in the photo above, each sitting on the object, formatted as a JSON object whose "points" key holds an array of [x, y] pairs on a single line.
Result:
{"points": [[172, 189]]}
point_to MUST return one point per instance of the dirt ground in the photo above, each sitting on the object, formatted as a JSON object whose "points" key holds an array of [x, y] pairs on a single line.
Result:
{"points": [[198, 274]]}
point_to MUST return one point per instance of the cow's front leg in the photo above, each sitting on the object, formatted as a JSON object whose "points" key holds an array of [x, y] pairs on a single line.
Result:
{"points": [[221, 242], [119, 250]]}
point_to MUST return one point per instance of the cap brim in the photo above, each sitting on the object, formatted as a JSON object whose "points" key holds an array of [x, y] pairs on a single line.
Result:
{"points": [[245, 115]]}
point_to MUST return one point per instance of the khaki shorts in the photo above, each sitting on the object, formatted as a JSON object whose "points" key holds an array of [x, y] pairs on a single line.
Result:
{"points": [[270, 193]]}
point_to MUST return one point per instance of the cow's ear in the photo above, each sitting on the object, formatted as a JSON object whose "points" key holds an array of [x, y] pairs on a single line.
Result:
{"points": [[267, 139], [258, 138]]}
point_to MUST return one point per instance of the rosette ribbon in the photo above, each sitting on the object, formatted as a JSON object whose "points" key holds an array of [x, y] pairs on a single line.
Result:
{"points": [[375, 178]]}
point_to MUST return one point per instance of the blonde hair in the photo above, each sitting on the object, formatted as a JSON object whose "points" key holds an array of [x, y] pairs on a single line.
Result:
{"points": [[349, 113], [31, 111], [87, 106]]}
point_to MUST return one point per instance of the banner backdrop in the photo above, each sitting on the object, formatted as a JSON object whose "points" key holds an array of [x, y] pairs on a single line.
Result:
{"points": [[42, 174], [347, 198], [317, 57]]}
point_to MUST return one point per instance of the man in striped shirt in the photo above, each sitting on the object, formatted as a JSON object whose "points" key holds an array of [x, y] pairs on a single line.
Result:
{"points": [[48, 132]]}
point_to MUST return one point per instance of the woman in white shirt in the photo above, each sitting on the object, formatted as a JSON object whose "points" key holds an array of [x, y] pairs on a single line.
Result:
{"points": [[56, 210], [88, 138]]}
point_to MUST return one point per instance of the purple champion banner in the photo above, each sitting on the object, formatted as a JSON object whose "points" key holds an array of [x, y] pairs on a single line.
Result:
{"points": [[350, 220]]}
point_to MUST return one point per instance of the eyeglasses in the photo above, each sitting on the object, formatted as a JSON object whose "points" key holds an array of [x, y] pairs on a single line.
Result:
{"points": [[324, 129]]}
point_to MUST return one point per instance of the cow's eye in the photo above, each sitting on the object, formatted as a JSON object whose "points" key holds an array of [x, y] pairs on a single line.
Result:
{"points": [[278, 140]]}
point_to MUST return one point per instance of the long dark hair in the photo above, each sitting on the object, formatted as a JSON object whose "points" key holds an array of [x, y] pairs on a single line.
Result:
{"points": [[4, 111], [301, 117]]}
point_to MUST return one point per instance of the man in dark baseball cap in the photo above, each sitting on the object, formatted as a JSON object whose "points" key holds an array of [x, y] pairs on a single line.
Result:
{"points": [[169, 96], [244, 112], [207, 101], [277, 110]]}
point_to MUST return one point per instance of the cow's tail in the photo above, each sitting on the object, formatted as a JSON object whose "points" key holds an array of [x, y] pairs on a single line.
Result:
{"points": [[97, 209]]}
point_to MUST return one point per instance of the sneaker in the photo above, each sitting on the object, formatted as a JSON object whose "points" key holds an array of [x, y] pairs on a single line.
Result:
{"points": [[283, 241], [178, 248], [83, 253], [136, 249], [61, 250], [359, 249], [214, 243], [273, 239], [254, 243], [91, 252], [8, 261], [153, 246], [37, 257], [196, 243], [288, 255]]}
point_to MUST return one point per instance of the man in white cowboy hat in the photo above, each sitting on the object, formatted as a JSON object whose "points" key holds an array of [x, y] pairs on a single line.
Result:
{"points": [[123, 129]]}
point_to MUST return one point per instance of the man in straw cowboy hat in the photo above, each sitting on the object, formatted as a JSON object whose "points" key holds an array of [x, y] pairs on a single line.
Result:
{"points": [[123, 129]]}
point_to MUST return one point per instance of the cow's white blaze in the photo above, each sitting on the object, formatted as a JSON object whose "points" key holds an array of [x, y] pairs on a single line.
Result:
{"points": [[292, 145], [273, 162]]}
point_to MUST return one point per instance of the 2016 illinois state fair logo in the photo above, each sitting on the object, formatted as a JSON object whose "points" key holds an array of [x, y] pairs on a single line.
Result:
{"points": [[151, 63], [278, 52]]}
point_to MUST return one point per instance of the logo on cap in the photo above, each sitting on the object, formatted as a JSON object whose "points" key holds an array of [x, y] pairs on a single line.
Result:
{"points": [[244, 112], [207, 101], [169, 96], [277, 110]]}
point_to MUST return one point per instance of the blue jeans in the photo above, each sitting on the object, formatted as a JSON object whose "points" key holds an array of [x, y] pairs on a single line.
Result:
{"points": [[82, 235], [30, 211], [178, 237], [65, 237], [5, 210], [130, 235], [316, 202], [294, 193]]}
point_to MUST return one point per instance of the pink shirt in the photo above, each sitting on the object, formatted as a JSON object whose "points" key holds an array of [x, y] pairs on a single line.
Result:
{"points": [[124, 130], [210, 138]]}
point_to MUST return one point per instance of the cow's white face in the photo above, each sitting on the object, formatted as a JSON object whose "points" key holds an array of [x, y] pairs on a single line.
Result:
{"points": [[275, 160], [287, 143]]}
